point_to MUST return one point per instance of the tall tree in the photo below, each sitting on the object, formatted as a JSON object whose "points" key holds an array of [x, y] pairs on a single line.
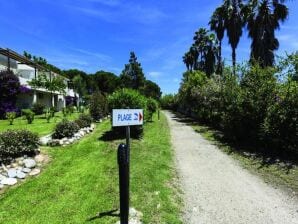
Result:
{"points": [[217, 24], [234, 23], [152, 90], [132, 76], [263, 19]]}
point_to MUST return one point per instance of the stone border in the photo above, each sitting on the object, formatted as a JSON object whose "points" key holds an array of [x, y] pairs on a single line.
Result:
{"points": [[47, 140], [20, 169]]}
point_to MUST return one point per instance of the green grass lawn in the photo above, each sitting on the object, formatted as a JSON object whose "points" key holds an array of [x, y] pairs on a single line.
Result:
{"points": [[39, 125], [82, 180]]}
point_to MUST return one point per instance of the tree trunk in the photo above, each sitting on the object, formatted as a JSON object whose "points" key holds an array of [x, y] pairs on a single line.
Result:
{"points": [[219, 66], [234, 60]]}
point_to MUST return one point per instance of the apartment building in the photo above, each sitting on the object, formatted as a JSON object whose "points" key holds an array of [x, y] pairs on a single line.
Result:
{"points": [[27, 70]]}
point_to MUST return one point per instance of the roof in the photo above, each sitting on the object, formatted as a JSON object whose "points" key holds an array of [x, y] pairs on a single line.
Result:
{"points": [[20, 58]]}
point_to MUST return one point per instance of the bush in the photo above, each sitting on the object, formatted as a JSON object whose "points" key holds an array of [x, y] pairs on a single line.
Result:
{"points": [[48, 115], [10, 116], [84, 121], [152, 106], [98, 106], [9, 89], [53, 111], [169, 102], [65, 129], [29, 115], [128, 99], [38, 108], [15, 143], [280, 126]]}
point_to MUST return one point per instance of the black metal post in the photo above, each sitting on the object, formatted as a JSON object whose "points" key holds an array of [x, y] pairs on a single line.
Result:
{"points": [[158, 115], [123, 163]]}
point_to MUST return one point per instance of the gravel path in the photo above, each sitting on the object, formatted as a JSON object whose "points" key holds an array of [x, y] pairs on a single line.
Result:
{"points": [[218, 190]]}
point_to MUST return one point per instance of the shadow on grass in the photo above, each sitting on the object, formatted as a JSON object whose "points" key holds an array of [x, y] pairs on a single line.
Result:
{"points": [[119, 134], [111, 213]]}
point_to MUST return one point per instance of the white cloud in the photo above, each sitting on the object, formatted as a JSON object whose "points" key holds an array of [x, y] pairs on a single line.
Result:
{"points": [[154, 74]]}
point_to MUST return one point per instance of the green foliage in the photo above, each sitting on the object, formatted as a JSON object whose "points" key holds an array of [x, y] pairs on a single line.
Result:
{"points": [[152, 90], [15, 143], [38, 108], [53, 111], [79, 85], [65, 129], [56, 83], [280, 125], [106, 82], [81, 109], [10, 116], [98, 106], [169, 102], [128, 99], [84, 120], [29, 115], [152, 106], [132, 76], [257, 108], [48, 114]]}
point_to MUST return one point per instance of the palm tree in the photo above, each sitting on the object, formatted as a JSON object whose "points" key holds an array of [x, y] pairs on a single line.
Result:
{"points": [[217, 24], [234, 23], [211, 54], [263, 19], [188, 61], [200, 45]]}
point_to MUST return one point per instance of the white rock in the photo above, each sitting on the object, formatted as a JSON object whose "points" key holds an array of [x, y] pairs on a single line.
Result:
{"points": [[12, 173], [26, 170], [71, 140], [9, 181], [39, 158], [45, 139], [29, 163], [2, 177], [34, 172], [61, 142], [21, 175]]}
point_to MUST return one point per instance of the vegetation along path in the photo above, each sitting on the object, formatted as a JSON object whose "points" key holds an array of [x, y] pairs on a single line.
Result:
{"points": [[218, 190]]}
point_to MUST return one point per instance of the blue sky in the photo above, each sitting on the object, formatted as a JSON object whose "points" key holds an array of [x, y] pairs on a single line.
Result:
{"points": [[94, 35]]}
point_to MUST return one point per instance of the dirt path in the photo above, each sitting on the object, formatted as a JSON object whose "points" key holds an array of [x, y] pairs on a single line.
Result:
{"points": [[218, 190]]}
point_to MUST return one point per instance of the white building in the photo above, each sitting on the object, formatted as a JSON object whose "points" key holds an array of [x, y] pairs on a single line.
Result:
{"points": [[28, 70]]}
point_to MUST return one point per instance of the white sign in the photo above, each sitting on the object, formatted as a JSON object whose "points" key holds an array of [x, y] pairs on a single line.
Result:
{"points": [[127, 117]]}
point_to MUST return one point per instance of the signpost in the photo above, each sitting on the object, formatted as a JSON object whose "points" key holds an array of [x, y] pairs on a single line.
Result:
{"points": [[127, 118]]}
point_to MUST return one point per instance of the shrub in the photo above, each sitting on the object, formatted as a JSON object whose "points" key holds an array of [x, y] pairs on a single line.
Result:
{"points": [[280, 126], [151, 108], [65, 129], [48, 115], [53, 111], [98, 106], [128, 99], [169, 102], [70, 109], [9, 88], [10, 116], [15, 143], [81, 109], [84, 121], [29, 115], [38, 108]]}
